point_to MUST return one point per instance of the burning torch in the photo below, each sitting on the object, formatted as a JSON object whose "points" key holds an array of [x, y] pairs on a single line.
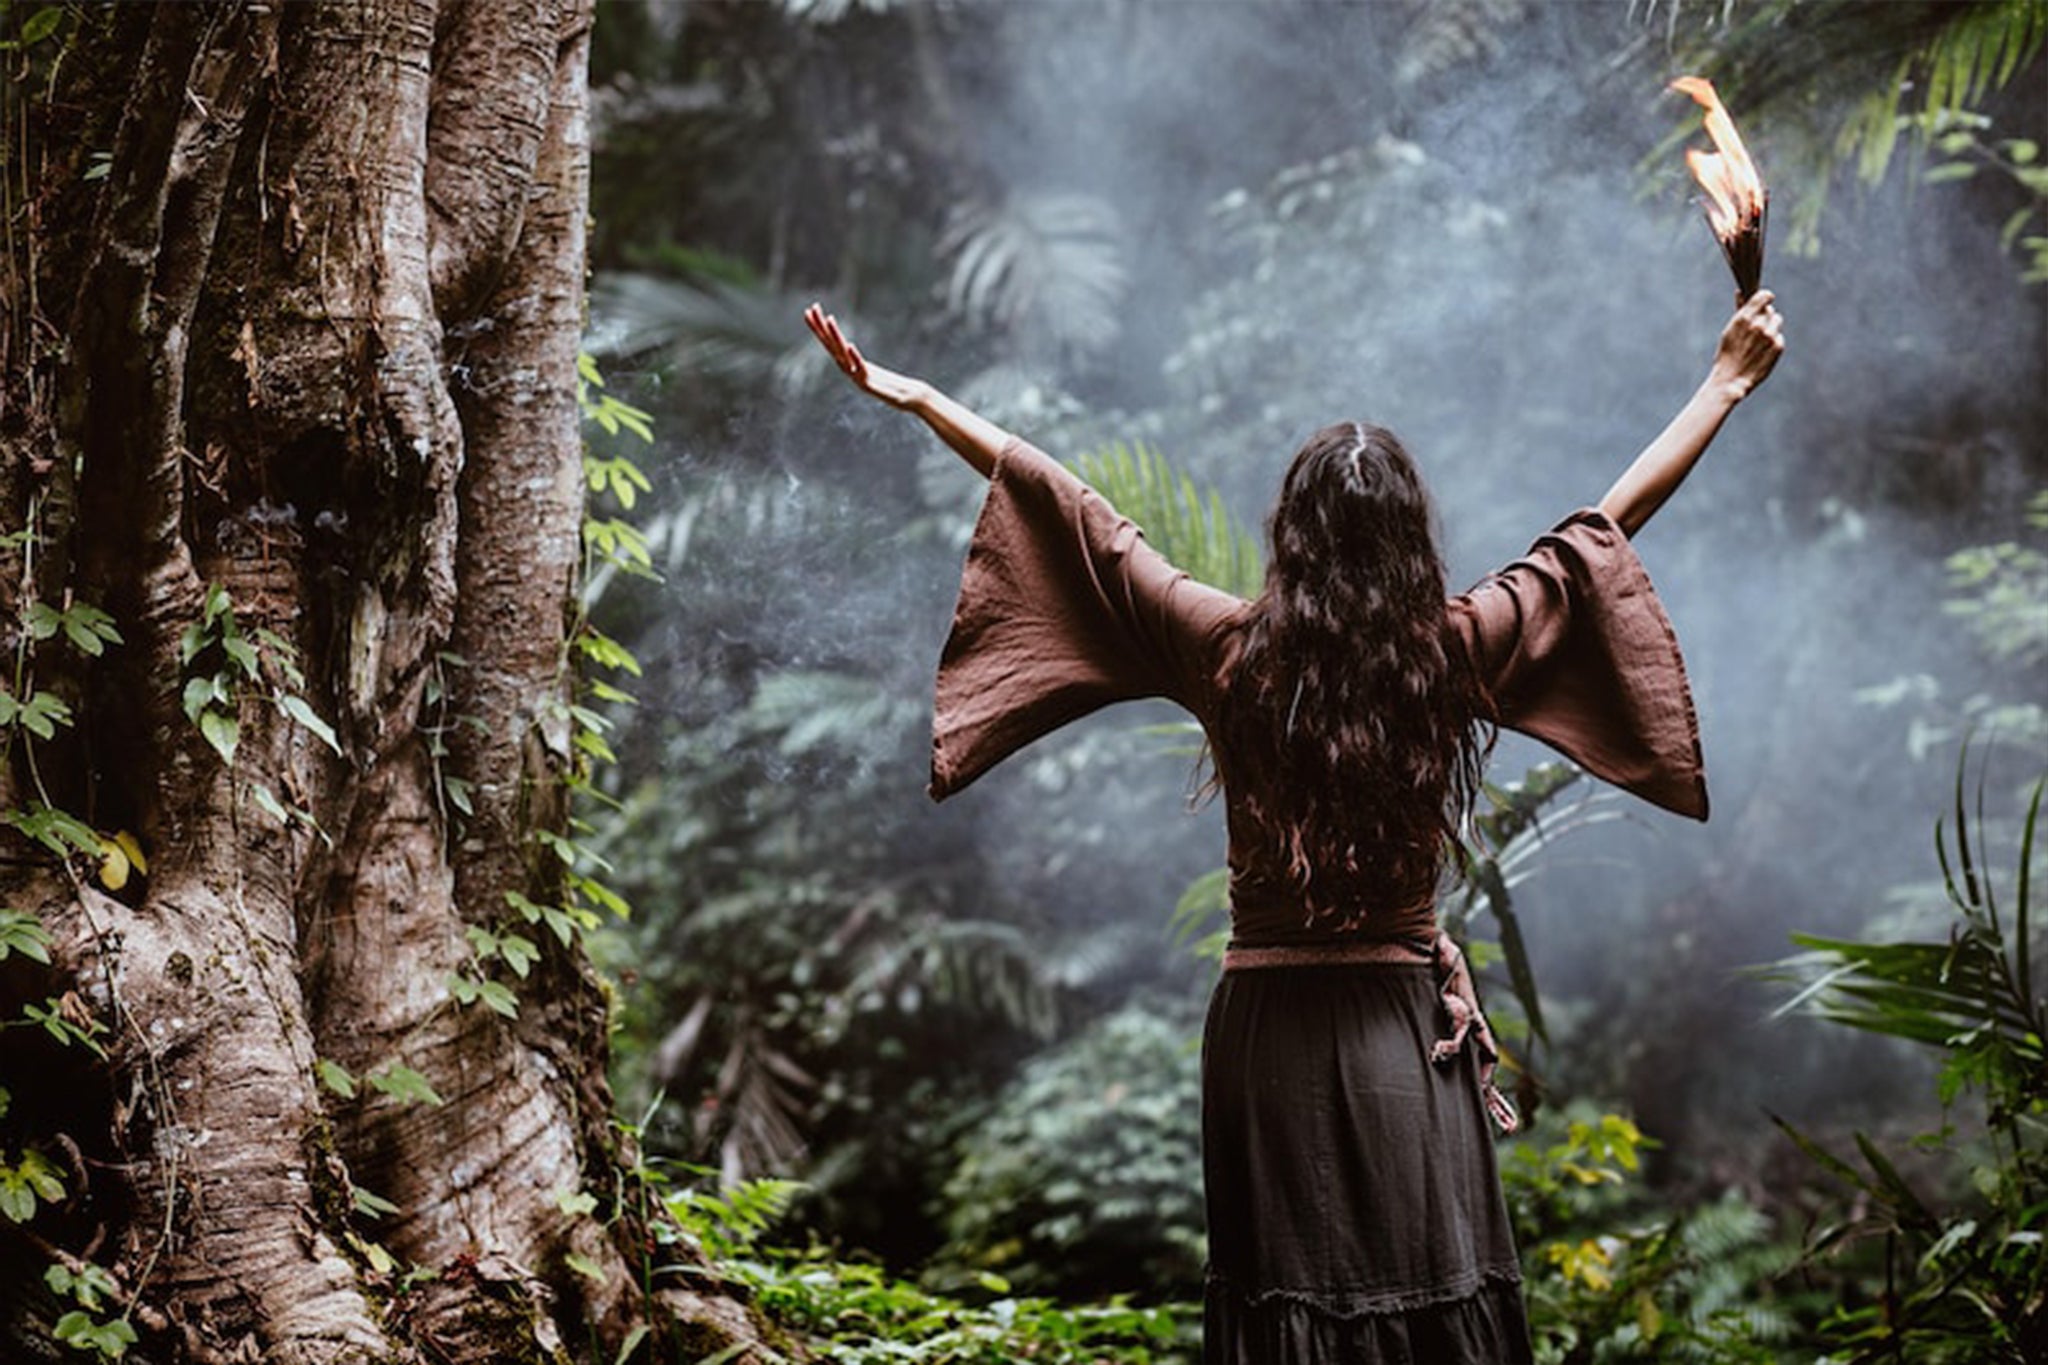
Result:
{"points": [[1737, 202]]}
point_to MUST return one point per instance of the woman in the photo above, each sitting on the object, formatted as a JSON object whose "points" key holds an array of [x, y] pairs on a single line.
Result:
{"points": [[1354, 1213]]}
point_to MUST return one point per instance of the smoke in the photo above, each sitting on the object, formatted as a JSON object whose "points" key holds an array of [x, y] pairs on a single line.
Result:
{"points": [[1527, 310], [1527, 307]]}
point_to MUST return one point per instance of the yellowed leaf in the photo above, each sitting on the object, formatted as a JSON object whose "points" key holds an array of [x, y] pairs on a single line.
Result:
{"points": [[114, 865], [132, 846]]}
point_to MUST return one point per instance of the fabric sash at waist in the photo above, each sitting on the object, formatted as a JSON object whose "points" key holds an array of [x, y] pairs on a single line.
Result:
{"points": [[1454, 988]]}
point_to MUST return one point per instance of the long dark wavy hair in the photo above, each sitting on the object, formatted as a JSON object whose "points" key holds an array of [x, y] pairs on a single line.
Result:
{"points": [[1353, 728]]}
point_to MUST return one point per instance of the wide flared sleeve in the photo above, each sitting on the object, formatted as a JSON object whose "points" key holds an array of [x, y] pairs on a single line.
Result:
{"points": [[1576, 651], [1063, 609]]}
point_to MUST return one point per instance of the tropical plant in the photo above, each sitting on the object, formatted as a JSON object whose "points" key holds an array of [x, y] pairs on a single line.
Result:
{"points": [[1966, 1281], [1849, 84], [1614, 1275], [2001, 594], [1048, 267], [1086, 1175], [1190, 527], [851, 1312]]}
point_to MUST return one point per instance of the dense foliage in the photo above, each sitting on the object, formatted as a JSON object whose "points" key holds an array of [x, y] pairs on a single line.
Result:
{"points": [[1102, 226]]}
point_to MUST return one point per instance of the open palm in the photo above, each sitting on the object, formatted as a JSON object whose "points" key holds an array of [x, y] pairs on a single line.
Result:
{"points": [[892, 388]]}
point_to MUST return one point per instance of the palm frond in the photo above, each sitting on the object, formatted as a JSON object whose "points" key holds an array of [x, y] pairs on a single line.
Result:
{"points": [[707, 326], [1197, 533], [1504, 837], [1048, 267], [1971, 995]]}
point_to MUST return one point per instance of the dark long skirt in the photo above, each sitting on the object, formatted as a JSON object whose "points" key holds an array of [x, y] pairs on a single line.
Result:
{"points": [[1355, 1216]]}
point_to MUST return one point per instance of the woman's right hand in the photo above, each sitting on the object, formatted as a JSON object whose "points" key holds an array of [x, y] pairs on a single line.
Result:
{"points": [[1750, 346], [897, 390]]}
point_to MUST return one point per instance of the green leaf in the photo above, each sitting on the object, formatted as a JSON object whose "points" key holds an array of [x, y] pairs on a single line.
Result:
{"points": [[17, 1200], [43, 621], [297, 708], [381, 1261], [62, 834], [602, 896], [631, 1343], [528, 911], [40, 715], [336, 1077], [584, 1266], [592, 743], [519, 953], [498, 997], [603, 650], [89, 628], [22, 932], [28, 1180], [367, 1203], [404, 1084], [240, 653], [575, 1203], [199, 694], [223, 732], [41, 24], [81, 1331], [267, 800]]}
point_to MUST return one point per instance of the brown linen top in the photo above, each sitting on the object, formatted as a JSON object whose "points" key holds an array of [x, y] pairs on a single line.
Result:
{"points": [[1064, 609]]}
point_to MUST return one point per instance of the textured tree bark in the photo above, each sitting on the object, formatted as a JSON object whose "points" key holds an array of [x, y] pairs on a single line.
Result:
{"points": [[311, 432]]}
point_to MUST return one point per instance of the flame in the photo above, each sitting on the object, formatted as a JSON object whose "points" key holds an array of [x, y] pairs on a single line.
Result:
{"points": [[1735, 191]]}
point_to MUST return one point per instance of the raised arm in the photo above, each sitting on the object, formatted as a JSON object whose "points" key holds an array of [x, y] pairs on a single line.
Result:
{"points": [[1750, 345], [971, 436]]}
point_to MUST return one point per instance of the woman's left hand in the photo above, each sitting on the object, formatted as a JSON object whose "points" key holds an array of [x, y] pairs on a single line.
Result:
{"points": [[897, 390], [1750, 345]]}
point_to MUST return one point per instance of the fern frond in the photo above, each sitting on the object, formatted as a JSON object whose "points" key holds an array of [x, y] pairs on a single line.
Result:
{"points": [[1974, 53], [1197, 533]]}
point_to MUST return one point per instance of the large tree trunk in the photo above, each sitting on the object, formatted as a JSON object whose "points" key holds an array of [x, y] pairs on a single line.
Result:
{"points": [[291, 396]]}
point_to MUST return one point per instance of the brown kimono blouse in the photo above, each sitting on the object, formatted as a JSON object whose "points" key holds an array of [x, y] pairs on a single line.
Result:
{"points": [[1064, 608]]}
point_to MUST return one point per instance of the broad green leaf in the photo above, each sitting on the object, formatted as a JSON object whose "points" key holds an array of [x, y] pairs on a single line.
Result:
{"points": [[199, 694], [498, 997], [240, 653], [267, 800], [297, 708], [41, 24], [223, 732], [519, 953]]}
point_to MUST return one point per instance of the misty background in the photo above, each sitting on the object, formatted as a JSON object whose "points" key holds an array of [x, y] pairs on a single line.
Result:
{"points": [[1215, 227]]}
